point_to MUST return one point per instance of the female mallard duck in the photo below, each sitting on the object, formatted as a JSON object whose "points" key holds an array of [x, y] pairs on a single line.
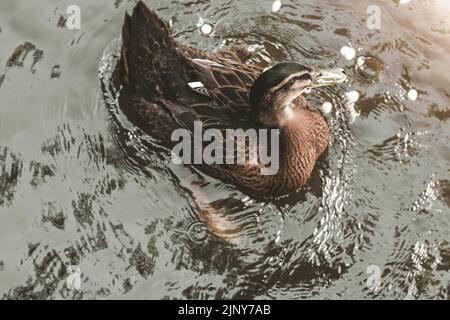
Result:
{"points": [[154, 72]]}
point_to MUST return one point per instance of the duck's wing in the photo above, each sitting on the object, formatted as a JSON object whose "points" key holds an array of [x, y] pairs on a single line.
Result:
{"points": [[150, 65], [192, 85], [224, 85]]}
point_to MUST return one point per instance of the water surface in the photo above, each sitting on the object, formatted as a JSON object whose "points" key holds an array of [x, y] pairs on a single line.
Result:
{"points": [[80, 185]]}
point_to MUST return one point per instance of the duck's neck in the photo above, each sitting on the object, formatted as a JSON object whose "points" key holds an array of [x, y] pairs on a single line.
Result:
{"points": [[304, 136]]}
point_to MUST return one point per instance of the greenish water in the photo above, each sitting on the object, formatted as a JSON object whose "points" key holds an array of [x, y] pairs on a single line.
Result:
{"points": [[80, 185]]}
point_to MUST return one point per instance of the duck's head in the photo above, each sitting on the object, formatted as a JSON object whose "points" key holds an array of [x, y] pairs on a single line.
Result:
{"points": [[274, 91]]}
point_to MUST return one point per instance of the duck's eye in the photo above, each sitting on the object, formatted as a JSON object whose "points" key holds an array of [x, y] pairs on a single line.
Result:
{"points": [[289, 84]]}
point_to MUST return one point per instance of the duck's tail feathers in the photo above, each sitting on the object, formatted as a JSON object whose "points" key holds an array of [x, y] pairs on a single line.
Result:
{"points": [[150, 64]]}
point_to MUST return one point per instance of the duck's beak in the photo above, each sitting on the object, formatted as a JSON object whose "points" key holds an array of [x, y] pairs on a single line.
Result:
{"points": [[327, 77]]}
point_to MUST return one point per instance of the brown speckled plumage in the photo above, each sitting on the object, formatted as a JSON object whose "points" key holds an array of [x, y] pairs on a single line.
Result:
{"points": [[153, 73]]}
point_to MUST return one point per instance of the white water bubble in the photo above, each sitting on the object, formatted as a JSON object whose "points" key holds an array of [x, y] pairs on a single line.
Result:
{"points": [[412, 95], [348, 53], [360, 62], [353, 113], [206, 29], [352, 96], [326, 107], [404, 1], [276, 6]]}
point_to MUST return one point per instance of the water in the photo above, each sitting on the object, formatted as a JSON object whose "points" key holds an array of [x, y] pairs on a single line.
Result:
{"points": [[81, 186]]}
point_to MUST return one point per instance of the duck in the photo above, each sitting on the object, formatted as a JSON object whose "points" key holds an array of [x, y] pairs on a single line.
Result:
{"points": [[154, 76]]}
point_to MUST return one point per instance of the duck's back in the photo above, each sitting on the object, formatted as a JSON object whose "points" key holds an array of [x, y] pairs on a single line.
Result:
{"points": [[155, 71]]}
